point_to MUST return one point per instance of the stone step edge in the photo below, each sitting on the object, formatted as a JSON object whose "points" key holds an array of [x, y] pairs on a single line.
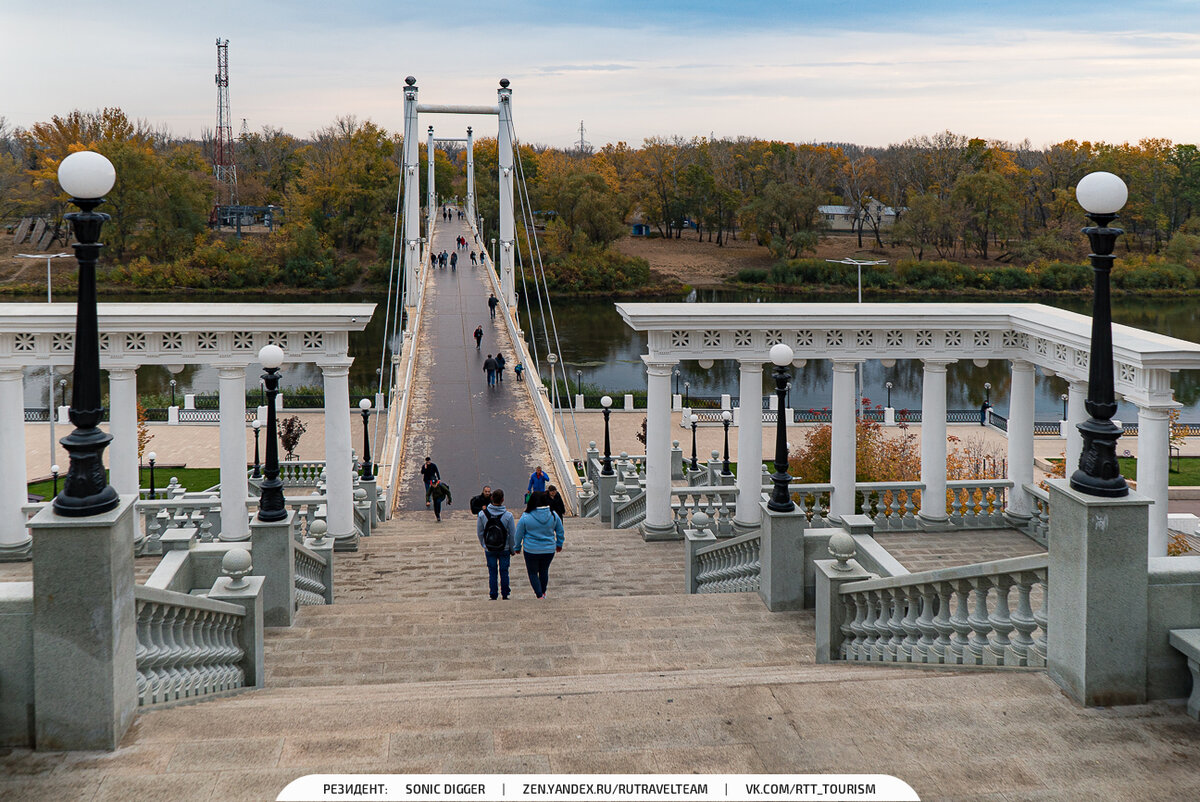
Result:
{"points": [[457, 604], [597, 683]]}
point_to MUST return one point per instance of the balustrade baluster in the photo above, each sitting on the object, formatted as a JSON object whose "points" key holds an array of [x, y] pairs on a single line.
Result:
{"points": [[956, 507], [192, 675], [849, 611], [922, 651], [871, 627], [978, 620], [911, 505], [142, 651], [174, 680], [1022, 620], [940, 651], [156, 660], [960, 621], [1039, 639], [910, 599], [1000, 620], [853, 650], [893, 630]]}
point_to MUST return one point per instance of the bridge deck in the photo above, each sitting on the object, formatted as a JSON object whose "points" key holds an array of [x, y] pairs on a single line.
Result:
{"points": [[474, 434]]}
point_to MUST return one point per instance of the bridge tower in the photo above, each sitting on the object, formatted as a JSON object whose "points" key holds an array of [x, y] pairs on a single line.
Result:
{"points": [[412, 198], [224, 167], [471, 176], [430, 181], [507, 222]]}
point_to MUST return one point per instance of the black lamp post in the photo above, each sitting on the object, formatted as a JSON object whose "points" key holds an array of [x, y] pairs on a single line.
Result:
{"points": [[172, 392], [86, 176], [687, 402], [54, 473], [579, 382], [365, 406], [888, 385], [270, 503], [676, 372], [151, 457], [1101, 195], [257, 474], [606, 402], [1064, 400], [62, 392], [726, 418], [781, 500], [695, 462], [987, 393]]}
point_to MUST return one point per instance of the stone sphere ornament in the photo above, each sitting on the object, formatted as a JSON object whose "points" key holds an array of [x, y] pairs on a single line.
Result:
{"points": [[236, 565]]}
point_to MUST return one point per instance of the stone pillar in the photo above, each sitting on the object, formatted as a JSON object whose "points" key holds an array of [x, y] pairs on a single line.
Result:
{"points": [[123, 452], [1097, 597], [933, 445], [749, 479], [781, 555], [84, 628], [338, 464], [1153, 464], [14, 539], [1020, 443], [676, 461], [1076, 414], [234, 486], [658, 524], [275, 559], [842, 465]]}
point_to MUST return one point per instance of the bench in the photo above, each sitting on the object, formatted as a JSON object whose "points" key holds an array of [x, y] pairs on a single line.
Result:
{"points": [[1187, 641]]}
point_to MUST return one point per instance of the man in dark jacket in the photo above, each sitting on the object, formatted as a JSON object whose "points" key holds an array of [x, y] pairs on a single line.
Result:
{"points": [[556, 501], [481, 501], [497, 561], [500, 363], [493, 302], [490, 368], [429, 472], [439, 491]]}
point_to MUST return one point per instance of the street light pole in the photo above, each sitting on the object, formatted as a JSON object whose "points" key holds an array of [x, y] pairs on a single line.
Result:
{"points": [[1099, 474], [86, 176], [48, 257], [152, 457], [270, 503], [726, 418], [858, 263], [695, 421], [257, 474], [365, 406], [606, 403], [781, 500]]}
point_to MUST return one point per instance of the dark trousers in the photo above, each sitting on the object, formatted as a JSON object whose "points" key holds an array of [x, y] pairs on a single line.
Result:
{"points": [[498, 564], [437, 508], [428, 485], [538, 567]]}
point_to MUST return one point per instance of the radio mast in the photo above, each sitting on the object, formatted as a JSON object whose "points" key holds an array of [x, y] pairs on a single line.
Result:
{"points": [[224, 167]]}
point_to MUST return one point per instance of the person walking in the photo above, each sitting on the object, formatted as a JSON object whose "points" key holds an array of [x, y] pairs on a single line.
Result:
{"points": [[539, 537], [429, 472], [473, 262], [537, 481], [556, 501], [482, 500], [489, 367], [493, 302], [500, 363], [519, 369], [497, 532], [439, 491], [454, 261], [478, 337]]}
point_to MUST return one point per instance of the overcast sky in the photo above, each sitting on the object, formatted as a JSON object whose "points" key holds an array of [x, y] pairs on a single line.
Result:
{"points": [[870, 73]]}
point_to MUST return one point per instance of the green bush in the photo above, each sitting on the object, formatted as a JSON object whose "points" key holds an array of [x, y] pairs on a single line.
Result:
{"points": [[1062, 276]]}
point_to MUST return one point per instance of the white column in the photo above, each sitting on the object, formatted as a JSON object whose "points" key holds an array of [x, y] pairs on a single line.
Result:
{"points": [[659, 524], [1020, 441], [1076, 414], [234, 488], [430, 184], [749, 480], [339, 484], [1153, 464], [507, 226], [471, 177], [412, 197], [933, 443], [14, 538], [123, 452], [843, 470]]}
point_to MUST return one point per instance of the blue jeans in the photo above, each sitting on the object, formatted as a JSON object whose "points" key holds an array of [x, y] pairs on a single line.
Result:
{"points": [[491, 374], [437, 508], [538, 568], [498, 562]]}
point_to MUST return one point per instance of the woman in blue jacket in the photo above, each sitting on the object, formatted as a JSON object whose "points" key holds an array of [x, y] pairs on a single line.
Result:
{"points": [[540, 537]]}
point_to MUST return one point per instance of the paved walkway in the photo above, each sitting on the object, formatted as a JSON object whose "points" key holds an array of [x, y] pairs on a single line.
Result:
{"points": [[474, 433]]}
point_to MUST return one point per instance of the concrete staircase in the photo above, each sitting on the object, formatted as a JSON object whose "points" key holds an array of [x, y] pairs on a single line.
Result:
{"points": [[412, 606]]}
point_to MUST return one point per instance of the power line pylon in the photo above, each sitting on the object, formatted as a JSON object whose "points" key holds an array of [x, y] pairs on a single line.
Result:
{"points": [[224, 166]]}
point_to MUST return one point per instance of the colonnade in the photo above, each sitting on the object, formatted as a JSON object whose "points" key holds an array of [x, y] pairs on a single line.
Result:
{"points": [[123, 452], [1153, 441]]}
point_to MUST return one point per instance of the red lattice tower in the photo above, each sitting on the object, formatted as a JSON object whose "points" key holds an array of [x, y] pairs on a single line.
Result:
{"points": [[224, 167]]}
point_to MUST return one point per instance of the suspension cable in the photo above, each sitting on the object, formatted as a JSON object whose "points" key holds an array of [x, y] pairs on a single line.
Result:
{"points": [[387, 318]]}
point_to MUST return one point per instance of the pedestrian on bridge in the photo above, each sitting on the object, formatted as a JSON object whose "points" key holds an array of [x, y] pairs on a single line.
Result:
{"points": [[556, 501], [429, 472], [478, 336], [493, 302], [489, 367], [482, 500], [497, 532], [454, 261], [439, 491], [473, 261], [519, 369], [500, 363], [537, 481], [540, 535]]}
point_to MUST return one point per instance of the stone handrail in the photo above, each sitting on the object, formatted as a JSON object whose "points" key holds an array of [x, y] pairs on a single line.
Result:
{"points": [[199, 512], [718, 502], [978, 503], [731, 566], [589, 504], [812, 499], [944, 616], [1038, 528], [187, 646], [308, 509], [893, 506], [630, 513], [310, 576], [301, 473]]}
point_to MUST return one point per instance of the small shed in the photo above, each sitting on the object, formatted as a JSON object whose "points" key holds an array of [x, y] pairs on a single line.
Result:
{"points": [[640, 230]]}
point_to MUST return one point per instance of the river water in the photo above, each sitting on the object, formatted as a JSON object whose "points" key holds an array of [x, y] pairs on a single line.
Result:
{"points": [[595, 344]]}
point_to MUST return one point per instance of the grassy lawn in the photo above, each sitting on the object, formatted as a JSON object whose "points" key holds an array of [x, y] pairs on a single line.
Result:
{"points": [[1187, 474], [191, 478]]}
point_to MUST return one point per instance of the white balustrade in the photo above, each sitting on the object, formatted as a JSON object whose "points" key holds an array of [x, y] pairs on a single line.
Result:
{"points": [[732, 566]]}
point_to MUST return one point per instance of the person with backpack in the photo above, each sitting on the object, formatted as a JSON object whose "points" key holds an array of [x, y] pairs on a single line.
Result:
{"points": [[474, 261], [478, 337], [497, 531], [540, 537], [439, 491], [500, 363], [519, 369], [481, 501]]}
